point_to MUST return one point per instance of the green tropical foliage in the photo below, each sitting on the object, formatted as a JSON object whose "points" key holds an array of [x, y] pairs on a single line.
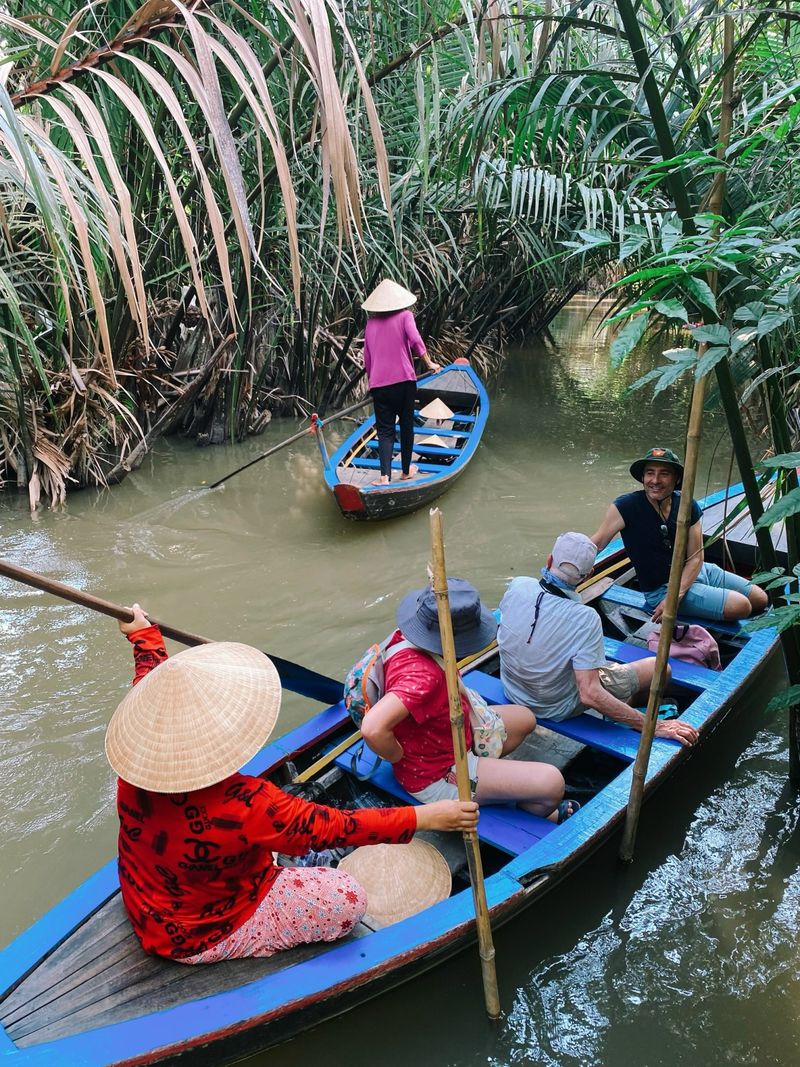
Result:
{"points": [[196, 198]]}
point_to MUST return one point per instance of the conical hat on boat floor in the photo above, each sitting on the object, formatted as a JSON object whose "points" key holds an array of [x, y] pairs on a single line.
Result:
{"points": [[437, 409], [196, 718], [432, 440], [399, 880]]}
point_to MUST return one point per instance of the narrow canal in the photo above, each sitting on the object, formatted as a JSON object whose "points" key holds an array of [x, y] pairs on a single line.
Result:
{"points": [[687, 957]]}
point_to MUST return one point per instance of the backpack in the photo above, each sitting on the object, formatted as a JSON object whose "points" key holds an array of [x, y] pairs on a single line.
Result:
{"points": [[364, 684], [692, 643]]}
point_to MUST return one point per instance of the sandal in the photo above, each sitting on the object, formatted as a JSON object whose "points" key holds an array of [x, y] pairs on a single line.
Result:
{"points": [[566, 809], [668, 709]]}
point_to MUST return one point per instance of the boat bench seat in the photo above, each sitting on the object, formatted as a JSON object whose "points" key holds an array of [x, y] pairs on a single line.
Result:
{"points": [[504, 826], [610, 737], [457, 416], [375, 464], [690, 675], [433, 450], [633, 598]]}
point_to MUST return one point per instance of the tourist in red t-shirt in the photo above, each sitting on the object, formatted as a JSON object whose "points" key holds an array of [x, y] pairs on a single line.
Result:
{"points": [[197, 836], [410, 725]]}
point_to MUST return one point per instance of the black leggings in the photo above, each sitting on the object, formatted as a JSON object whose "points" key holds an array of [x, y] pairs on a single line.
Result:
{"points": [[391, 402]]}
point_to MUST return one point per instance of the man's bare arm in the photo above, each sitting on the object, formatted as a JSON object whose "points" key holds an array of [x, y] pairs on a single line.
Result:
{"points": [[611, 525]]}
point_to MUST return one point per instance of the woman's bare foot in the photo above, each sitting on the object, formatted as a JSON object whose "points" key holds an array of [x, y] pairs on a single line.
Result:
{"points": [[383, 480], [412, 473]]}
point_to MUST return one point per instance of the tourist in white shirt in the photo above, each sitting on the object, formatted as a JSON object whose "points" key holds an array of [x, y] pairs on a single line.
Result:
{"points": [[552, 657]]}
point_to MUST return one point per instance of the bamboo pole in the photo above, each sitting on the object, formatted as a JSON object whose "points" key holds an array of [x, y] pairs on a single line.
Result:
{"points": [[290, 440], [483, 922], [693, 437], [639, 773]]}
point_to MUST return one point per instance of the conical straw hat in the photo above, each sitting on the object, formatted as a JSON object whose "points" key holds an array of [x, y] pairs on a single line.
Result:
{"points": [[399, 880], [432, 440], [195, 719], [389, 296], [437, 409]]}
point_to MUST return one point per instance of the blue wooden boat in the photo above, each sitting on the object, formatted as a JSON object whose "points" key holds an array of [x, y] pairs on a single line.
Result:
{"points": [[76, 989], [442, 450]]}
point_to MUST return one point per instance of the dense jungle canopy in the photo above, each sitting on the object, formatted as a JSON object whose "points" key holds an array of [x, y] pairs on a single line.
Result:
{"points": [[196, 196]]}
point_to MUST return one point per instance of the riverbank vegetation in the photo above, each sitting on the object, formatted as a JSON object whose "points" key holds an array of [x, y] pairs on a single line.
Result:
{"points": [[196, 197]]}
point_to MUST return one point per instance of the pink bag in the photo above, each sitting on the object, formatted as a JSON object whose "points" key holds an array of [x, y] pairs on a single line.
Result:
{"points": [[691, 643]]}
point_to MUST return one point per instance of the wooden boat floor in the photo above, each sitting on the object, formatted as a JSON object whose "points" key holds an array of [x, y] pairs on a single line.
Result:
{"points": [[356, 475], [99, 975]]}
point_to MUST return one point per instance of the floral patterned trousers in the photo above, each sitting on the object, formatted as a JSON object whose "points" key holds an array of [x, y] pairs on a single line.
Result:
{"points": [[305, 904]]}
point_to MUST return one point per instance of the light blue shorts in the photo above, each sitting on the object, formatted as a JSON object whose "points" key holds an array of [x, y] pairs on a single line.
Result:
{"points": [[706, 596]]}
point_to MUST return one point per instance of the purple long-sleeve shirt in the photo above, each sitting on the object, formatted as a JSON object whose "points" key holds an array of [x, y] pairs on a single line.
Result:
{"points": [[390, 343]]}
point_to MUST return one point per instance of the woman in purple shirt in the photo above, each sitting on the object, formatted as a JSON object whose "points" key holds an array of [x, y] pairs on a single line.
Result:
{"points": [[391, 340]]}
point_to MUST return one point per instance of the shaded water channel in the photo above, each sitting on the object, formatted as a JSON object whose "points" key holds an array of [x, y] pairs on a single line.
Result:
{"points": [[689, 956]]}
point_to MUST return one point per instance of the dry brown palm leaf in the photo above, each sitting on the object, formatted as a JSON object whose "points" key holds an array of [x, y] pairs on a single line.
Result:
{"points": [[129, 99], [51, 471]]}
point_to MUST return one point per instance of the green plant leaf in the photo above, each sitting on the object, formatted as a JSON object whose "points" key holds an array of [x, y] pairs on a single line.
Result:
{"points": [[710, 359], [749, 312], [713, 334], [780, 510], [785, 459], [787, 699], [771, 320], [670, 235], [672, 309], [701, 291], [627, 338], [635, 238], [767, 576], [742, 338]]}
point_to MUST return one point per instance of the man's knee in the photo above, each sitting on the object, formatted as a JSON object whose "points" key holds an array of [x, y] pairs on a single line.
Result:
{"points": [[737, 606], [759, 600]]}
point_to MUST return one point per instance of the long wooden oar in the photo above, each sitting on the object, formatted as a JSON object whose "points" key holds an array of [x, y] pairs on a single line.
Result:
{"points": [[294, 677], [485, 944], [289, 441]]}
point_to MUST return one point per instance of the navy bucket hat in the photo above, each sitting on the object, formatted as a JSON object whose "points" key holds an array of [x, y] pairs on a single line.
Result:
{"points": [[474, 626]]}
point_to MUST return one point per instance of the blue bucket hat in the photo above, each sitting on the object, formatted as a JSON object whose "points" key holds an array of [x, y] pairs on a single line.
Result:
{"points": [[474, 626]]}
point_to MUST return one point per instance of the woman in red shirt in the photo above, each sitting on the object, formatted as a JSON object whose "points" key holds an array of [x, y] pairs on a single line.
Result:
{"points": [[197, 836], [410, 725]]}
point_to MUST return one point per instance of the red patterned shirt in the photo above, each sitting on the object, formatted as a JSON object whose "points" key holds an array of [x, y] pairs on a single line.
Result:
{"points": [[426, 736], [193, 867]]}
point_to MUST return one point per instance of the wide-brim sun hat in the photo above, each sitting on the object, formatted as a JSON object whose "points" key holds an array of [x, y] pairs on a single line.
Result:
{"points": [[657, 455], [388, 296], [399, 880], [195, 719], [474, 626]]}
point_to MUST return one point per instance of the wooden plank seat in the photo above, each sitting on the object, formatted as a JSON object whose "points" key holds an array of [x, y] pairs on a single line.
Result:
{"points": [[375, 464], [504, 826], [690, 675], [442, 431], [609, 737], [633, 598], [433, 450], [457, 416], [100, 975]]}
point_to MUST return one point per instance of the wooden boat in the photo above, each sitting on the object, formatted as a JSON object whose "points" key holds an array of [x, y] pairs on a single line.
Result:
{"points": [[76, 988], [442, 449]]}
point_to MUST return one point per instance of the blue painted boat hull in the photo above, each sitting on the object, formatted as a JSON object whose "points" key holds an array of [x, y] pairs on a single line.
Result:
{"points": [[525, 859], [354, 463]]}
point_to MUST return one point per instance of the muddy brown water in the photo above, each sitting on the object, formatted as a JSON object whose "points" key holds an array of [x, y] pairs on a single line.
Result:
{"points": [[687, 957]]}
